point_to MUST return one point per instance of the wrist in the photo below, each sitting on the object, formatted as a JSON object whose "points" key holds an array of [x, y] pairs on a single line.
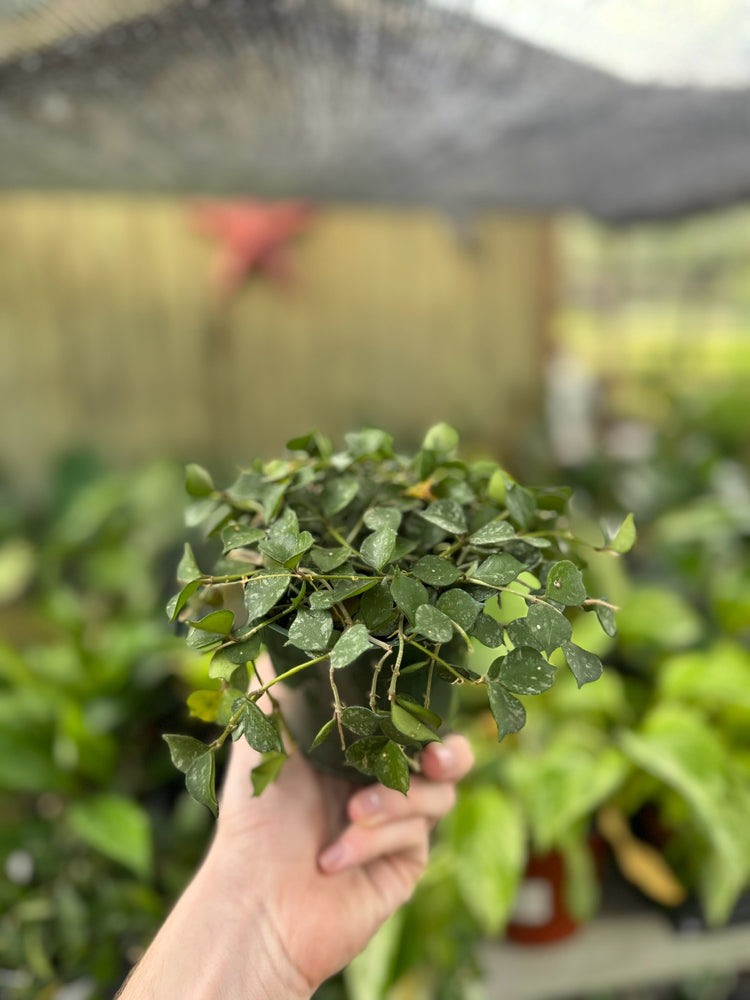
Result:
{"points": [[208, 951]]}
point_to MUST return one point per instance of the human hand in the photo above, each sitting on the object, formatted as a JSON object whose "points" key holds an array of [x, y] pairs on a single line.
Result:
{"points": [[296, 881]]}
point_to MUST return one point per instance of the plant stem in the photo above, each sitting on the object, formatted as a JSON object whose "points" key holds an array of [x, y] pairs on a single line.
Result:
{"points": [[397, 664], [287, 673], [337, 707]]}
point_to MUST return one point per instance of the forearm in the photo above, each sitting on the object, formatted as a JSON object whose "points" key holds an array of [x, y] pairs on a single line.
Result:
{"points": [[209, 951]]}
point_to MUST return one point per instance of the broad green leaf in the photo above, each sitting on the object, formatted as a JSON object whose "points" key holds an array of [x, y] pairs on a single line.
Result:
{"points": [[197, 638], [376, 607], [178, 602], [391, 768], [267, 771], [314, 443], [117, 827], [263, 591], [410, 725], [184, 750], [351, 644], [286, 548], [188, 569], [679, 748], [436, 572], [204, 705], [408, 594], [441, 437], [342, 591], [606, 618], [369, 442], [433, 624], [584, 666], [426, 715], [487, 837], [493, 533], [524, 671], [259, 730], [460, 607], [364, 753], [271, 497], [446, 514], [311, 630], [221, 666], [624, 538], [521, 505], [200, 781], [327, 560], [338, 494], [507, 710], [219, 622], [360, 720], [382, 517], [565, 583], [547, 628], [488, 631], [377, 549], [499, 570], [242, 651], [198, 481], [235, 536], [323, 733]]}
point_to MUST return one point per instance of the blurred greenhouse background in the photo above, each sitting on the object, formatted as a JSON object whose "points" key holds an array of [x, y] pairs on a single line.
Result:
{"points": [[142, 331]]}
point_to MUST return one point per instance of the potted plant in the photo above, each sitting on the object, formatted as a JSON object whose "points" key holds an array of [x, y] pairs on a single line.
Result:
{"points": [[369, 576]]}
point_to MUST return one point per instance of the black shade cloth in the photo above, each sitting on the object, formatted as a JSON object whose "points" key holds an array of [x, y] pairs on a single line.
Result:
{"points": [[385, 101]]}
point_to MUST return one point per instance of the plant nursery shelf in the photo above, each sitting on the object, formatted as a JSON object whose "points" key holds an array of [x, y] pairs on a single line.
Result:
{"points": [[618, 951]]}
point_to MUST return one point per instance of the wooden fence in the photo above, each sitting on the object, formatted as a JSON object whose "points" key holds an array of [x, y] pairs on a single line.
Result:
{"points": [[111, 335]]}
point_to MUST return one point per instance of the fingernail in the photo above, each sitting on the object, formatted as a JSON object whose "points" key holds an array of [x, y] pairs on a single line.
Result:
{"points": [[367, 804], [333, 858], [444, 755]]}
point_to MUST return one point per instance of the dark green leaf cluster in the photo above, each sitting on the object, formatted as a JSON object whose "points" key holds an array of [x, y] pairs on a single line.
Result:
{"points": [[403, 563]]}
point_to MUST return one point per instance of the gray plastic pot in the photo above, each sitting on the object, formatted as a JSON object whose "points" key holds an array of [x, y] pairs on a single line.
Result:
{"points": [[308, 702]]}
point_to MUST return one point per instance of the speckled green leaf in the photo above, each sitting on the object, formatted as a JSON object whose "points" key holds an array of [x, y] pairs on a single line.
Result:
{"points": [[408, 594], [338, 494], [565, 583], [493, 533], [200, 781], [525, 671], [436, 572], [259, 731], [433, 624], [360, 720], [377, 549], [328, 560], [488, 631], [391, 768], [235, 536], [188, 569], [311, 630], [382, 517], [507, 710], [263, 591], [448, 515], [460, 607], [267, 771], [410, 725], [499, 570], [584, 666], [351, 644]]}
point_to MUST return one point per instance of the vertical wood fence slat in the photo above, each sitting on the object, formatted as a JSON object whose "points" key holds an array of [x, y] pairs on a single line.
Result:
{"points": [[111, 335]]}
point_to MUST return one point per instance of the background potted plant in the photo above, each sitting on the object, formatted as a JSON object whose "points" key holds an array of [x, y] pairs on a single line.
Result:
{"points": [[370, 577]]}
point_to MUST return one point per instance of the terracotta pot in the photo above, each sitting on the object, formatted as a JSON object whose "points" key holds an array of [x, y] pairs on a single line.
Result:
{"points": [[541, 915], [308, 702]]}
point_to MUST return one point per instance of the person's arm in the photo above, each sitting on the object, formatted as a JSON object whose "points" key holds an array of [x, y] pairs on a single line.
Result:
{"points": [[296, 881]]}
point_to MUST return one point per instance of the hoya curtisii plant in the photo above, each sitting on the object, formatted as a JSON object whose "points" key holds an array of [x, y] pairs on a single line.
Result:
{"points": [[363, 562]]}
